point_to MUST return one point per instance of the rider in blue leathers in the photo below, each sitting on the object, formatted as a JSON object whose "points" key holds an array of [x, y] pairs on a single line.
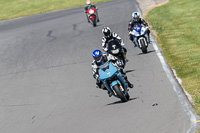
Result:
{"points": [[99, 59]]}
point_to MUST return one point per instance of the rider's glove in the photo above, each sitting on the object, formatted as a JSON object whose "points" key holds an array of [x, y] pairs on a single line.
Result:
{"points": [[129, 28], [130, 32], [122, 44], [105, 49], [97, 79], [119, 63]]}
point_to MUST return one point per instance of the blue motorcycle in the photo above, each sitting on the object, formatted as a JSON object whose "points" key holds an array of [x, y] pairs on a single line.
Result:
{"points": [[114, 81], [140, 37]]}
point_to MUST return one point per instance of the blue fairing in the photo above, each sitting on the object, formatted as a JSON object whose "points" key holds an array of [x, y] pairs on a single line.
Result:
{"points": [[107, 71], [110, 76], [115, 83], [137, 29]]}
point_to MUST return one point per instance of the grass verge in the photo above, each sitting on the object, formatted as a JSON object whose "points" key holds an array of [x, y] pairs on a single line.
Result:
{"points": [[18, 8], [178, 27]]}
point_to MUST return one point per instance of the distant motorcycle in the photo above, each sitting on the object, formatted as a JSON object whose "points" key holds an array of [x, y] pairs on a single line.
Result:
{"points": [[116, 50], [140, 37], [114, 81], [91, 12]]}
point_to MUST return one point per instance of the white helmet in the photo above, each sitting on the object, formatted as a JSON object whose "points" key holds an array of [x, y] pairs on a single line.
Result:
{"points": [[106, 32], [136, 16]]}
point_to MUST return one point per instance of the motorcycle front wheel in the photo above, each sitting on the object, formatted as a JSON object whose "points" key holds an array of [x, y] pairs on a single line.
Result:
{"points": [[94, 22], [127, 96], [119, 93], [144, 48]]}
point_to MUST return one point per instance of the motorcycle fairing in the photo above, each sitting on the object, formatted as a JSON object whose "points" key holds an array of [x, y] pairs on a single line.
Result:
{"points": [[91, 14], [138, 30], [142, 38], [104, 74], [109, 73]]}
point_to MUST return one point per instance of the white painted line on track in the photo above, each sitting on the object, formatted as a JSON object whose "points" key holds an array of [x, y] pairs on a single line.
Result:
{"points": [[176, 88], [174, 83]]}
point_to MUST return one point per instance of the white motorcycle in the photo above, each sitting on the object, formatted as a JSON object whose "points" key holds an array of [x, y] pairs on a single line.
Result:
{"points": [[140, 36]]}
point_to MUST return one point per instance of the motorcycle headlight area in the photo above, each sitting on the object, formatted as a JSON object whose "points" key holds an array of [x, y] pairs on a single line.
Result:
{"points": [[116, 51], [135, 33], [91, 11], [111, 79]]}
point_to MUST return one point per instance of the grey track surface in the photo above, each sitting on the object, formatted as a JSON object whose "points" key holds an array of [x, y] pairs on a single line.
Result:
{"points": [[47, 85]]}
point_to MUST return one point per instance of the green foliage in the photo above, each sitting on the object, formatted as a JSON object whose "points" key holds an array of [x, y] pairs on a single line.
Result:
{"points": [[177, 24], [18, 8]]}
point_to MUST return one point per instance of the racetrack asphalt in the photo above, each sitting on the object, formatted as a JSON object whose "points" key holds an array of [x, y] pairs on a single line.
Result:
{"points": [[47, 85]]}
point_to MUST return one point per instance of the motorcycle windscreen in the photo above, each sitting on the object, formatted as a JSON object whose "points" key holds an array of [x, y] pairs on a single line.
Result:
{"points": [[137, 27], [113, 45], [107, 70]]}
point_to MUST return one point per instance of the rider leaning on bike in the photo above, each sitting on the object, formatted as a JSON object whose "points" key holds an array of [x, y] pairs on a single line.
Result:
{"points": [[89, 6], [137, 19], [108, 35], [99, 59]]}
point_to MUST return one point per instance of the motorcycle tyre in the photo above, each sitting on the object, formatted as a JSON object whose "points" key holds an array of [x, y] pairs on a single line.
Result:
{"points": [[94, 22], [120, 94], [144, 48], [127, 96]]}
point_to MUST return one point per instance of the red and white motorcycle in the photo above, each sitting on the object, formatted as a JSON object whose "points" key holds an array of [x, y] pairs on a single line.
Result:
{"points": [[91, 12]]}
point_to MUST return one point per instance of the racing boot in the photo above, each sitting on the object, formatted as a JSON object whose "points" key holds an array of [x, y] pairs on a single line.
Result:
{"points": [[109, 94], [135, 45], [98, 18], [87, 16], [129, 83], [98, 83], [131, 37], [102, 86], [148, 33]]}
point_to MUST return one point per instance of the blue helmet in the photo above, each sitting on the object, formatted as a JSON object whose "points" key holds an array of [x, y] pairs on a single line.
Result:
{"points": [[97, 55]]}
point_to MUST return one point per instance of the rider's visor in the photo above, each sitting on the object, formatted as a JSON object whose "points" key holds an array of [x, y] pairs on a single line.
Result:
{"points": [[116, 51], [107, 34], [98, 59]]}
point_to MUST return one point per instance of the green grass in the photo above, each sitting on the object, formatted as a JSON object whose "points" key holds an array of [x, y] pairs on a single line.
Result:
{"points": [[178, 26], [17, 8]]}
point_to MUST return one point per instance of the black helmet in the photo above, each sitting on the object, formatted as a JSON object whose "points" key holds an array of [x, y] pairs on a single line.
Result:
{"points": [[106, 32]]}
